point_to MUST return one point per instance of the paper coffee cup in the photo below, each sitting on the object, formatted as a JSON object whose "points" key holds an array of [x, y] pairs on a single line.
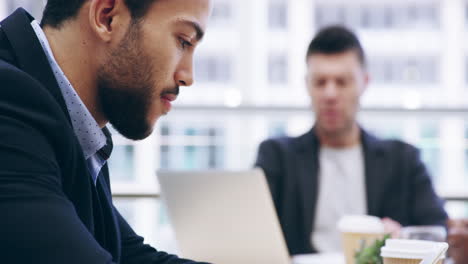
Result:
{"points": [[358, 232], [401, 251]]}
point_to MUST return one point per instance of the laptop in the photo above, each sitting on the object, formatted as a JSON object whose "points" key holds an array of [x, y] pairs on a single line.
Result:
{"points": [[223, 217]]}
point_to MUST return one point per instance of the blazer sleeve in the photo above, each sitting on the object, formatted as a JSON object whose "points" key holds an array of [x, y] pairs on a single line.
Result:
{"points": [[269, 160], [134, 251], [426, 207], [38, 224]]}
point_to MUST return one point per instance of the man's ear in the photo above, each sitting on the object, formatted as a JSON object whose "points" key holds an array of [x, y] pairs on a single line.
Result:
{"points": [[108, 18], [308, 77], [307, 83], [366, 82]]}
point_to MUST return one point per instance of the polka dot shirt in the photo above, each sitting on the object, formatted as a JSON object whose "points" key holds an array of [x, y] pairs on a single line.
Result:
{"points": [[86, 129]]}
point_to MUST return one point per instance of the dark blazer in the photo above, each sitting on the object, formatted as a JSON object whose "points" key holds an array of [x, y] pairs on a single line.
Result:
{"points": [[51, 211], [397, 184]]}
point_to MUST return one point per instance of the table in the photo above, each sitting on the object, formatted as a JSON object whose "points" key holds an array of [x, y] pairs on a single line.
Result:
{"points": [[323, 258], [329, 258]]}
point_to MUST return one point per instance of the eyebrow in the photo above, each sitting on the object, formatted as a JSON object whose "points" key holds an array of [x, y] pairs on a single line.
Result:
{"points": [[195, 26]]}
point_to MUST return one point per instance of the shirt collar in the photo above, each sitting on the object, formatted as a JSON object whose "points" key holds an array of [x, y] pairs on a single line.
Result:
{"points": [[88, 132]]}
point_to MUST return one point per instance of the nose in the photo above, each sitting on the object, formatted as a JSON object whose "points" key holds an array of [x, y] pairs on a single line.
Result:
{"points": [[184, 73], [331, 90]]}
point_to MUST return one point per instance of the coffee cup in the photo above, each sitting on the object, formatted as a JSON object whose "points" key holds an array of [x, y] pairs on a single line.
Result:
{"points": [[402, 251], [359, 232]]}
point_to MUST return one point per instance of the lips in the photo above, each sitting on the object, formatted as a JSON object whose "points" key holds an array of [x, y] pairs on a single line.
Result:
{"points": [[167, 99], [330, 112], [330, 115]]}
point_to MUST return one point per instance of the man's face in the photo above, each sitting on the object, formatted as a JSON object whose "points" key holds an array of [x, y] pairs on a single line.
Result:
{"points": [[141, 76], [335, 83]]}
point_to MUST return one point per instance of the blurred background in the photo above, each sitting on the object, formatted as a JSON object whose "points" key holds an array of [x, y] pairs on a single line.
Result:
{"points": [[249, 74]]}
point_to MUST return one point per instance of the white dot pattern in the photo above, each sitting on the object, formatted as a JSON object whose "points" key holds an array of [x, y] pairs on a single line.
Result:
{"points": [[86, 129]]}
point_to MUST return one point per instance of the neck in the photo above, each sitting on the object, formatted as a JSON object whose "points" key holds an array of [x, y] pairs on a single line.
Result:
{"points": [[73, 51], [342, 139]]}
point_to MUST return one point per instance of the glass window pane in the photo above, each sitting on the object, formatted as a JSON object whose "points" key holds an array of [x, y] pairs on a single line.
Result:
{"points": [[213, 69], [277, 14], [277, 69], [121, 163], [222, 13]]}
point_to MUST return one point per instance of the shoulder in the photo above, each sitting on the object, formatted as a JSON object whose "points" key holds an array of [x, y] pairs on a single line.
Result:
{"points": [[283, 142], [394, 147], [302, 143], [29, 109], [21, 91], [14, 79]]}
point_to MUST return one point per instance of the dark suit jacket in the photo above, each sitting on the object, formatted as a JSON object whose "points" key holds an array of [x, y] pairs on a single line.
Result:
{"points": [[397, 184], [51, 211]]}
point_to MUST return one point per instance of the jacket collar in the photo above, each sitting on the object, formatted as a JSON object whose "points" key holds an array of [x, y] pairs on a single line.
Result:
{"points": [[28, 53], [307, 147], [310, 142]]}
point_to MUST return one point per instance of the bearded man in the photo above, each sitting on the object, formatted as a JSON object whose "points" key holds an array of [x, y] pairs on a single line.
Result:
{"points": [[87, 64]]}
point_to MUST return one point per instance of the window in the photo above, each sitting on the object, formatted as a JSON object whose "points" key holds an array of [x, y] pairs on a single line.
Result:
{"points": [[352, 16], [222, 13], [430, 148], [277, 14], [466, 150], [164, 159], [277, 129], [193, 147], [365, 15], [213, 68], [277, 69], [121, 165], [326, 15], [413, 70], [375, 17], [341, 15], [466, 69], [466, 13], [421, 15], [34, 7], [388, 17]]}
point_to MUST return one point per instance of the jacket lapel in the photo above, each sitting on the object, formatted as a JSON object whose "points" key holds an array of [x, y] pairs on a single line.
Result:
{"points": [[308, 173], [308, 166], [29, 53], [307, 147], [374, 171]]}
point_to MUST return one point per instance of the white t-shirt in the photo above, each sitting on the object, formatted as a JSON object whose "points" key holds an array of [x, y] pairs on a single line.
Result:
{"points": [[341, 192]]}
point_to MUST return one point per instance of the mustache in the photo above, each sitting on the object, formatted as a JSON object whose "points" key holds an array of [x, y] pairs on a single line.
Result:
{"points": [[174, 91]]}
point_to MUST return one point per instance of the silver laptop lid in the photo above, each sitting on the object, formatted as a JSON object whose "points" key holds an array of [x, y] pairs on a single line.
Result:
{"points": [[223, 217]]}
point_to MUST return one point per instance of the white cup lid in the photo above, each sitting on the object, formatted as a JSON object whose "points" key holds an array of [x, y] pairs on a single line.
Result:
{"points": [[407, 249], [361, 224]]}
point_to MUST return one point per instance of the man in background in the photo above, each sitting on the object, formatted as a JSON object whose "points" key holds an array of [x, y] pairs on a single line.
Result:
{"points": [[338, 168], [89, 63]]}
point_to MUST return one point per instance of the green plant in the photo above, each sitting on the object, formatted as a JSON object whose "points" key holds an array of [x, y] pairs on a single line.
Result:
{"points": [[371, 254]]}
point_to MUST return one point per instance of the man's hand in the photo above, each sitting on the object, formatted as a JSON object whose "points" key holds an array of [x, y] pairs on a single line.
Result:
{"points": [[391, 227], [458, 240]]}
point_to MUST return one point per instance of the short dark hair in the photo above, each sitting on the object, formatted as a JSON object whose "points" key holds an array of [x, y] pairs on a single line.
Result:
{"points": [[58, 11], [336, 39]]}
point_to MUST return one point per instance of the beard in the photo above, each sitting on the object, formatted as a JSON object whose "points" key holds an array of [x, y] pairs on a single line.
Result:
{"points": [[125, 87], [338, 131]]}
